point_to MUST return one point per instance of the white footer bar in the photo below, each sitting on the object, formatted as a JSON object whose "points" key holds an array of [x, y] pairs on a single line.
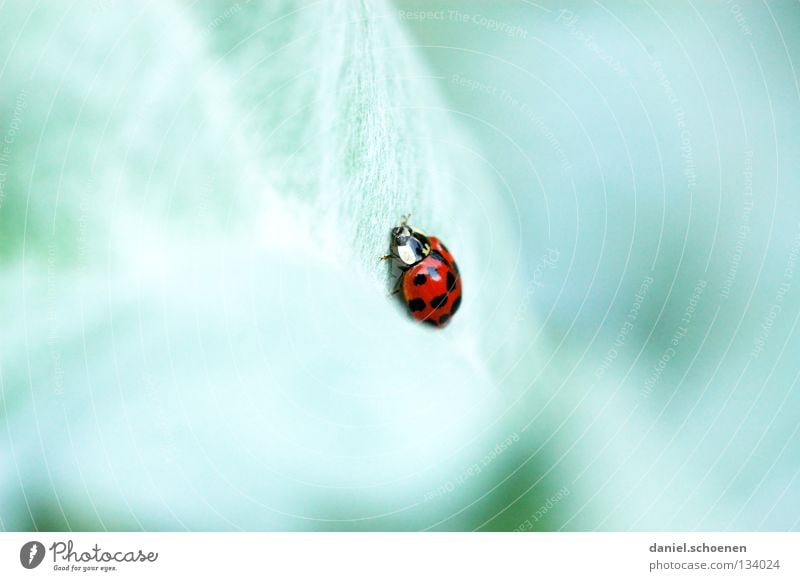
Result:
{"points": [[389, 556]]}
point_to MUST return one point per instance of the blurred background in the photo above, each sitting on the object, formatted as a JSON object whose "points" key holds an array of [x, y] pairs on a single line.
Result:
{"points": [[197, 333]]}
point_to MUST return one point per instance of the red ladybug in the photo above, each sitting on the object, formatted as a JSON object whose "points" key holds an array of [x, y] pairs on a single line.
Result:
{"points": [[430, 281]]}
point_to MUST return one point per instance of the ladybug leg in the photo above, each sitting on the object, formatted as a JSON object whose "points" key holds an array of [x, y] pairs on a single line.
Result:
{"points": [[399, 278]]}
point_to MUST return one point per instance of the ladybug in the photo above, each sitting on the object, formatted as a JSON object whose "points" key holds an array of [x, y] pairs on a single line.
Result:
{"points": [[429, 280]]}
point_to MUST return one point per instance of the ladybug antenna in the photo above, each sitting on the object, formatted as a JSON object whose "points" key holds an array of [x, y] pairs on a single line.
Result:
{"points": [[404, 221]]}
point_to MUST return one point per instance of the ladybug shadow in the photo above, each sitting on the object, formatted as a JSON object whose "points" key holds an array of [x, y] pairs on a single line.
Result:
{"points": [[394, 282]]}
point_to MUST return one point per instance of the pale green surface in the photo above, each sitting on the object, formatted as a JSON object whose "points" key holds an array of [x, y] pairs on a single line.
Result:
{"points": [[196, 328]]}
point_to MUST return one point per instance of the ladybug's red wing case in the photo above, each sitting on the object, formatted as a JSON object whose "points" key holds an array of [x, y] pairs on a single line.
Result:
{"points": [[438, 246], [432, 287]]}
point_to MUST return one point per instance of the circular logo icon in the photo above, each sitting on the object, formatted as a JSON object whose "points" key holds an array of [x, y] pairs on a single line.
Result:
{"points": [[31, 554]]}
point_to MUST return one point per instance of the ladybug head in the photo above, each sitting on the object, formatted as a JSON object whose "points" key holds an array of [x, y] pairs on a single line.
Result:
{"points": [[409, 245]]}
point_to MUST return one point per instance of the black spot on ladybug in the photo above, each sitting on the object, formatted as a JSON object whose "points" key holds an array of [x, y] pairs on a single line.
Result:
{"points": [[443, 319], [416, 305], [439, 302], [456, 304], [431, 322], [434, 274], [420, 279], [451, 282], [437, 255]]}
